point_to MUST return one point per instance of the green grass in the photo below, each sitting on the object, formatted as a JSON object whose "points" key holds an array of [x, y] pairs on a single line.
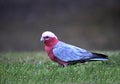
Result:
{"points": [[36, 68]]}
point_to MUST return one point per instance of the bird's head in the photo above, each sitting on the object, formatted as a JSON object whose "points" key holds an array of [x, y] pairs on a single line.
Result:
{"points": [[47, 35]]}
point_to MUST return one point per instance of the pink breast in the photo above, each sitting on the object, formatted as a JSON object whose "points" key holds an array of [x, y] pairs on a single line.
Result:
{"points": [[50, 53]]}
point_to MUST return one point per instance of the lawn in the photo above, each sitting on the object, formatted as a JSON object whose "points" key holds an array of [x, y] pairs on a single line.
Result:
{"points": [[36, 68]]}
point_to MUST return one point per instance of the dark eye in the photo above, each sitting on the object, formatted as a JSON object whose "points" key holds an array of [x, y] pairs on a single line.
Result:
{"points": [[46, 37]]}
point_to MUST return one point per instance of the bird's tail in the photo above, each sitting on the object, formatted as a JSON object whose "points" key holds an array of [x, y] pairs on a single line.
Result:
{"points": [[98, 57]]}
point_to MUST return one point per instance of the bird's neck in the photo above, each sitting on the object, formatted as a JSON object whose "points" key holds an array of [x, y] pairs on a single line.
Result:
{"points": [[51, 42]]}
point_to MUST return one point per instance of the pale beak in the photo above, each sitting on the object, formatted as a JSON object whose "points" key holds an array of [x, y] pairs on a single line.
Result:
{"points": [[41, 39]]}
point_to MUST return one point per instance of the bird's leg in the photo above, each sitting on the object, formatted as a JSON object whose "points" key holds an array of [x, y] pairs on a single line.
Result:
{"points": [[63, 65], [66, 64]]}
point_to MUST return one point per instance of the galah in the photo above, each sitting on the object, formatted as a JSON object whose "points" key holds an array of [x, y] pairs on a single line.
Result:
{"points": [[67, 54]]}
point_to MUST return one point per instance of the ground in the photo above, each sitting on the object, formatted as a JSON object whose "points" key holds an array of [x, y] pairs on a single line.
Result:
{"points": [[37, 68]]}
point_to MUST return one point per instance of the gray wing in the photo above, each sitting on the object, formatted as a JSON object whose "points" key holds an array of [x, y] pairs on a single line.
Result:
{"points": [[66, 52]]}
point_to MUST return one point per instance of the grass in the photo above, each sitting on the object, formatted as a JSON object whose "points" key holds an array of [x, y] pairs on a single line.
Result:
{"points": [[36, 68]]}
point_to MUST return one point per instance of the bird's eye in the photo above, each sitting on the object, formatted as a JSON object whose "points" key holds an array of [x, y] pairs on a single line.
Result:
{"points": [[46, 37]]}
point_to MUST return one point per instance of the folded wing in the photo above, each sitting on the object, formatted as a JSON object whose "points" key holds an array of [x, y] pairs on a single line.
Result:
{"points": [[66, 52]]}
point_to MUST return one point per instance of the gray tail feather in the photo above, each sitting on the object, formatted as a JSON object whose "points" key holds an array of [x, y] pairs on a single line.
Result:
{"points": [[98, 57]]}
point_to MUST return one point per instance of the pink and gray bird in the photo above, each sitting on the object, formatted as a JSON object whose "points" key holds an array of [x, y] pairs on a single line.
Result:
{"points": [[66, 54]]}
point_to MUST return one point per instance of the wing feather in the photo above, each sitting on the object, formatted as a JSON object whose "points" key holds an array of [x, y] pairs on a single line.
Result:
{"points": [[67, 52]]}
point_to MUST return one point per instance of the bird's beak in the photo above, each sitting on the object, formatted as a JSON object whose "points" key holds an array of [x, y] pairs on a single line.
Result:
{"points": [[41, 39]]}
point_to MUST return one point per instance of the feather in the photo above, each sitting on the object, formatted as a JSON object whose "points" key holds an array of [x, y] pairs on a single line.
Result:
{"points": [[67, 52]]}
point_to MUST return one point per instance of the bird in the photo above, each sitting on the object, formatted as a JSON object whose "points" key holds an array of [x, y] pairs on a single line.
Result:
{"points": [[66, 54]]}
